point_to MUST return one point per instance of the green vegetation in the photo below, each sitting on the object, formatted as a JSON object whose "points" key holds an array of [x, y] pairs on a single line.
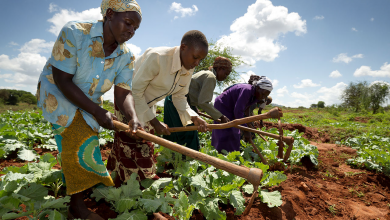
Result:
{"points": [[373, 152], [321, 104], [13, 97], [339, 123], [332, 209], [19, 131], [193, 185], [28, 185], [216, 50], [362, 96]]}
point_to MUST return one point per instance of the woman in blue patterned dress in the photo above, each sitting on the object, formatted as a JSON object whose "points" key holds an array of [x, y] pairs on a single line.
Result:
{"points": [[87, 59]]}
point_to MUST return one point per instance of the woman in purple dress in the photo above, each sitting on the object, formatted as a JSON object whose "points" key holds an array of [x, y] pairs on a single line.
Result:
{"points": [[232, 103]]}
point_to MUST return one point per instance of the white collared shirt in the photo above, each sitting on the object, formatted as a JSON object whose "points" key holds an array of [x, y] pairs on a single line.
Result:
{"points": [[157, 74]]}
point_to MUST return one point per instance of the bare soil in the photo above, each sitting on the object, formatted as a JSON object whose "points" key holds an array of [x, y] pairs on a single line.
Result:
{"points": [[333, 190], [308, 133]]}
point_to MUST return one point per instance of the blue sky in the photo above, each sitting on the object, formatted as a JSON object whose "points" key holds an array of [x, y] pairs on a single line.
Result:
{"points": [[310, 49]]}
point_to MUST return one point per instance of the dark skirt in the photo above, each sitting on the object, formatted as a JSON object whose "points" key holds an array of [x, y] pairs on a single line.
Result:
{"points": [[189, 139]]}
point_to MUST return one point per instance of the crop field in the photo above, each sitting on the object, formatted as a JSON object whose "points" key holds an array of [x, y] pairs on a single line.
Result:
{"points": [[338, 169]]}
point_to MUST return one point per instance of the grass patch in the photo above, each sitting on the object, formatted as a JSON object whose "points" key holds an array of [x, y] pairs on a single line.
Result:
{"points": [[19, 107], [340, 126]]}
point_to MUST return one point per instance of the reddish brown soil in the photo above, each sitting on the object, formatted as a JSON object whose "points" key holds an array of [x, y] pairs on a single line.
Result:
{"points": [[361, 119], [308, 193], [309, 133]]}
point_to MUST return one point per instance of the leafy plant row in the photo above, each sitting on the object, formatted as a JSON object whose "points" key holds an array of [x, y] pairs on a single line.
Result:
{"points": [[21, 132], [191, 185], [195, 185], [24, 191], [373, 152]]}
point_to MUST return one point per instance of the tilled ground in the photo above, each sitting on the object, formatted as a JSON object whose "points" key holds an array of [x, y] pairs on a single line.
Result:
{"points": [[334, 190]]}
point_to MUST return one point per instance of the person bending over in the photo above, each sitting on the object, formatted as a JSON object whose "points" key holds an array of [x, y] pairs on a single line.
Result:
{"points": [[200, 95], [232, 103], [87, 59], [158, 73]]}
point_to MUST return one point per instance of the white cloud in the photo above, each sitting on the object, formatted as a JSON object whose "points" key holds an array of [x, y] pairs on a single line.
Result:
{"points": [[176, 7], [354, 29], [366, 71], [281, 92], [109, 95], [53, 7], [319, 17], [343, 57], [20, 78], [275, 82], [28, 65], [379, 82], [25, 63], [5, 76], [63, 16], [244, 78], [255, 34], [331, 95], [306, 83], [37, 46], [134, 49], [372, 19], [13, 43], [335, 74], [9, 87]]}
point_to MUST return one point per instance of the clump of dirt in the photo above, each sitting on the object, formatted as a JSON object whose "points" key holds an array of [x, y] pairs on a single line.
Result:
{"points": [[105, 150], [42, 151], [361, 119], [308, 133]]}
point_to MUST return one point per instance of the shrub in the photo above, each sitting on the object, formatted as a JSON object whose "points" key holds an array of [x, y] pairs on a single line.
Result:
{"points": [[28, 98]]}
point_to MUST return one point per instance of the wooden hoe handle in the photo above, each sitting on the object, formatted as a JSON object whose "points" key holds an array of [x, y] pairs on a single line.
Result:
{"points": [[238, 126], [273, 113], [253, 175]]}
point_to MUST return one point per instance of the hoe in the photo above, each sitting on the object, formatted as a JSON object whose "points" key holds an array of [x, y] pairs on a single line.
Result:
{"points": [[253, 175]]}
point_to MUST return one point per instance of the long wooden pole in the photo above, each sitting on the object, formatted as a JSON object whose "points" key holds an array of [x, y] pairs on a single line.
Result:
{"points": [[238, 126], [273, 113], [253, 175]]}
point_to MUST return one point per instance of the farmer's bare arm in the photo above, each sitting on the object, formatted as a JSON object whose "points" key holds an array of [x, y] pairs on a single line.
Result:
{"points": [[125, 102]]}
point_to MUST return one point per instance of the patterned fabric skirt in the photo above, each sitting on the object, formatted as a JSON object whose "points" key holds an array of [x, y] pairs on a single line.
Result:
{"points": [[130, 156], [79, 156]]}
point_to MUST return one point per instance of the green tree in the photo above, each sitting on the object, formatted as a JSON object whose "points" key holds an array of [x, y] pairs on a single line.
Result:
{"points": [[13, 100], [356, 95], [321, 104], [378, 94], [4, 95], [313, 106], [28, 98], [216, 50]]}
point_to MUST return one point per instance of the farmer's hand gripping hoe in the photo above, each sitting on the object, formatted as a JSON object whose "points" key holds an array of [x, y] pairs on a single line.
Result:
{"points": [[253, 175]]}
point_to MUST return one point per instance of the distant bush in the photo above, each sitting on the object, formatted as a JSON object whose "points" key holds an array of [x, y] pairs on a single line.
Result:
{"points": [[321, 104], [28, 98], [13, 97], [13, 100]]}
